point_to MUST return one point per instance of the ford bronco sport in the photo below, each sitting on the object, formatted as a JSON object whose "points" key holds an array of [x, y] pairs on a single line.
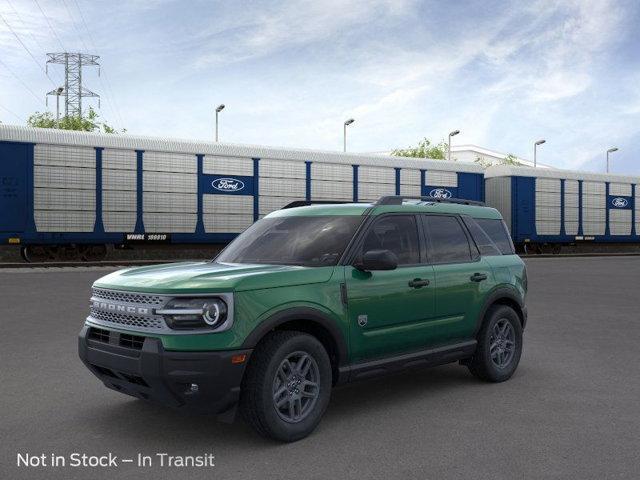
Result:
{"points": [[308, 298]]}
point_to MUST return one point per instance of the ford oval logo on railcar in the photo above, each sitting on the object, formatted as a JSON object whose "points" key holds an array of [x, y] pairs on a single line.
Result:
{"points": [[440, 193], [619, 202], [228, 184]]}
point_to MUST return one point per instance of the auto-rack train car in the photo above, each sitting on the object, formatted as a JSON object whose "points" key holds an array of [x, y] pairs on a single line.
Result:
{"points": [[546, 209], [78, 192]]}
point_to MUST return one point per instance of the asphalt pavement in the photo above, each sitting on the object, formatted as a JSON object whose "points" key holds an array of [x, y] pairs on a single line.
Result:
{"points": [[571, 411]]}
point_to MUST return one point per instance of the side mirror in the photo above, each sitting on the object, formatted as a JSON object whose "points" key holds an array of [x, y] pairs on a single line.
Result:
{"points": [[377, 260]]}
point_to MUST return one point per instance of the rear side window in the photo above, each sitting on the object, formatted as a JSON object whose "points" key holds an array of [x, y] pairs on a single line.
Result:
{"points": [[498, 233], [448, 242], [396, 233]]}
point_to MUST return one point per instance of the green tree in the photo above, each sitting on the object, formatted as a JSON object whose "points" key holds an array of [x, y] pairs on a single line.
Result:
{"points": [[510, 159], [87, 123], [425, 149]]}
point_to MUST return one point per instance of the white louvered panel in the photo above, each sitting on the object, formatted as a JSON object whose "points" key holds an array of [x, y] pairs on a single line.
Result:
{"points": [[231, 166], [236, 204], [119, 221], [270, 168], [119, 201], [593, 228], [620, 221], [548, 227], [64, 177], [169, 182], [551, 185], [64, 156], [376, 175], [270, 204], [637, 208], [64, 199], [169, 162], [330, 190], [411, 190], [119, 159], [170, 202], [571, 186], [623, 189], [283, 187], [370, 192], [594, 215], [547, 213], [547, 199], [571, 228], [571, 200], [596, 188], [224, 223], [594, 201], [571, 214], [119, 180], [436, 178], [64, 220], [332, 171], [170, 222], [409, 176]]}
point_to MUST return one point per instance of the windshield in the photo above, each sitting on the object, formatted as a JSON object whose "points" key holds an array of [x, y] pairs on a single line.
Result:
{"points": [[308, 241]]}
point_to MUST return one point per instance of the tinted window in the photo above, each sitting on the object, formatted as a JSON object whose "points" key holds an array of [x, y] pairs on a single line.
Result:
{"points": [[448, 241], [497, 231], [397, 233], [309, 241], [482, 240]]}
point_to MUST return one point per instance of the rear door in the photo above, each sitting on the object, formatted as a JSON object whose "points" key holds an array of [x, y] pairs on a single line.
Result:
{"points": [[462, 277], [13, 186], [389, 311]]}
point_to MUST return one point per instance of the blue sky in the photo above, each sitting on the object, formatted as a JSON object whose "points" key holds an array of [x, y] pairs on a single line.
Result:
{"points": [[290, 72]]}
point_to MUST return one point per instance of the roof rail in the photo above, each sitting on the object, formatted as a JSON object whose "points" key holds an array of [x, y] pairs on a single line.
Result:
{"points": [[399, 199], [306, 203]]}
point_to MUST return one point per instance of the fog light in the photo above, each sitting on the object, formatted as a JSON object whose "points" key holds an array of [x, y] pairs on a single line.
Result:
{"points": [[193, 388]]}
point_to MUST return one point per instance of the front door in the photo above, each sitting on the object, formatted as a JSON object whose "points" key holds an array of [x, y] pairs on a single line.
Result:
{"points": [[389, 311]]}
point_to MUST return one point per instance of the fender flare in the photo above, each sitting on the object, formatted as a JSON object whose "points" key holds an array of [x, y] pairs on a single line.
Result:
{"points": [[308, 314], [497, 295]]}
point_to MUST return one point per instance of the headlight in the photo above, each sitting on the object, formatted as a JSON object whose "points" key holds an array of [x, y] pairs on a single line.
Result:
{"points": [[194, 313]]}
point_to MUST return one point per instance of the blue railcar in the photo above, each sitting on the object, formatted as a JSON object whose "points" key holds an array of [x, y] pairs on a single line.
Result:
{"points": [[548, 208], [84, 191]]}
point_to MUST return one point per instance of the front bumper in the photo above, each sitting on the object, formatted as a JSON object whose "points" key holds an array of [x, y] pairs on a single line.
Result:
{"points": [[139, 366]]}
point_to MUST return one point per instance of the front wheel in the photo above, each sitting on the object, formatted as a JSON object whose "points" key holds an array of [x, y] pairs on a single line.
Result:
{"points": [[499, 345], [287, 386]]}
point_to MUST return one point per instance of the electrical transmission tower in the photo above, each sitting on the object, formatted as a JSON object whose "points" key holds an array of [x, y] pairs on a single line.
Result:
{"points": [[73, 90]]}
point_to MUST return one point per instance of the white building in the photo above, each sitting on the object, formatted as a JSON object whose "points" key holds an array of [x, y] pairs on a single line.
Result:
{"points": [[470, 153]]}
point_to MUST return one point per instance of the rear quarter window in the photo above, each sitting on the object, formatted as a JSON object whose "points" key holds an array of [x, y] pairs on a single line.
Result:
{"points": [[497, 231]]}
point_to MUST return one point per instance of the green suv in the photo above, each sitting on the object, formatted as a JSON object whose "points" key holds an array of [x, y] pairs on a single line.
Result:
{"points": [[308, 298]]}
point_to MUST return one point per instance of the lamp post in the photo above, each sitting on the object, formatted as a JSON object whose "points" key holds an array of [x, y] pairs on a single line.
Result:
{"points": [[451, 134], [59, 91], [611, 150], [344, 137], [219, 108], [535, 151]]}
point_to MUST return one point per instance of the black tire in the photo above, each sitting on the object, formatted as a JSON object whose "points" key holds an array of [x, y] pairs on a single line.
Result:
{"points": [[257, 402], [482, 365]]}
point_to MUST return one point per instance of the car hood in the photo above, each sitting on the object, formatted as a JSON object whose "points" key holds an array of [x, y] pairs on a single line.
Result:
{"points": [[205, 277]]}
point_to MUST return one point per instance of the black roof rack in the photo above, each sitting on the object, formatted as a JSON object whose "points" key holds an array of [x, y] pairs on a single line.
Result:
{"points": [[398, 199], [306, 203]]}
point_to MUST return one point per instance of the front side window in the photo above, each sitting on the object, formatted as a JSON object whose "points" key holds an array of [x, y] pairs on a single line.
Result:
{"points": [[448, 242], [396, 233], [313, 241]]}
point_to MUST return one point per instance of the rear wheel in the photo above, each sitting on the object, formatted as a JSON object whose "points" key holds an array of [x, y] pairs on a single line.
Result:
{"points": [[499, 345], [287, 386]]}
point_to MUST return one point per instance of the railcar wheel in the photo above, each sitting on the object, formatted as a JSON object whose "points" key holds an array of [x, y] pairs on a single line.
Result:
{"points": [[35, 253]]}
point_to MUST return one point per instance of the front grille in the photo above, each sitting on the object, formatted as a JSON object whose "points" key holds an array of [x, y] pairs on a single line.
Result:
{"points": [[127, 297], [131, 341], [99, 335], [128, 320]]}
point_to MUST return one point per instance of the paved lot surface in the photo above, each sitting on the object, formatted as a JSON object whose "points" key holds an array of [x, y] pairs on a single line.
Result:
{"points": [[571, 411]]}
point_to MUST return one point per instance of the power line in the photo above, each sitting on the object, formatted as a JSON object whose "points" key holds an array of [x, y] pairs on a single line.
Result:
{"points": [[75, 27], [21, 81], [27, 49], [50, 26]]}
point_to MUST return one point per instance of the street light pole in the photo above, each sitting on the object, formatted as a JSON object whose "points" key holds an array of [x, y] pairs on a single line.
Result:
{"points": [[344, 136], [219, 108], [59, 90], [451, 134], [611, 150], [535, 152]]}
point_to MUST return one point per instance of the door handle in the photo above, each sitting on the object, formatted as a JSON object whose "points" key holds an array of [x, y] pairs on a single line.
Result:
{"points": [[418, 282], [478, 277]]}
